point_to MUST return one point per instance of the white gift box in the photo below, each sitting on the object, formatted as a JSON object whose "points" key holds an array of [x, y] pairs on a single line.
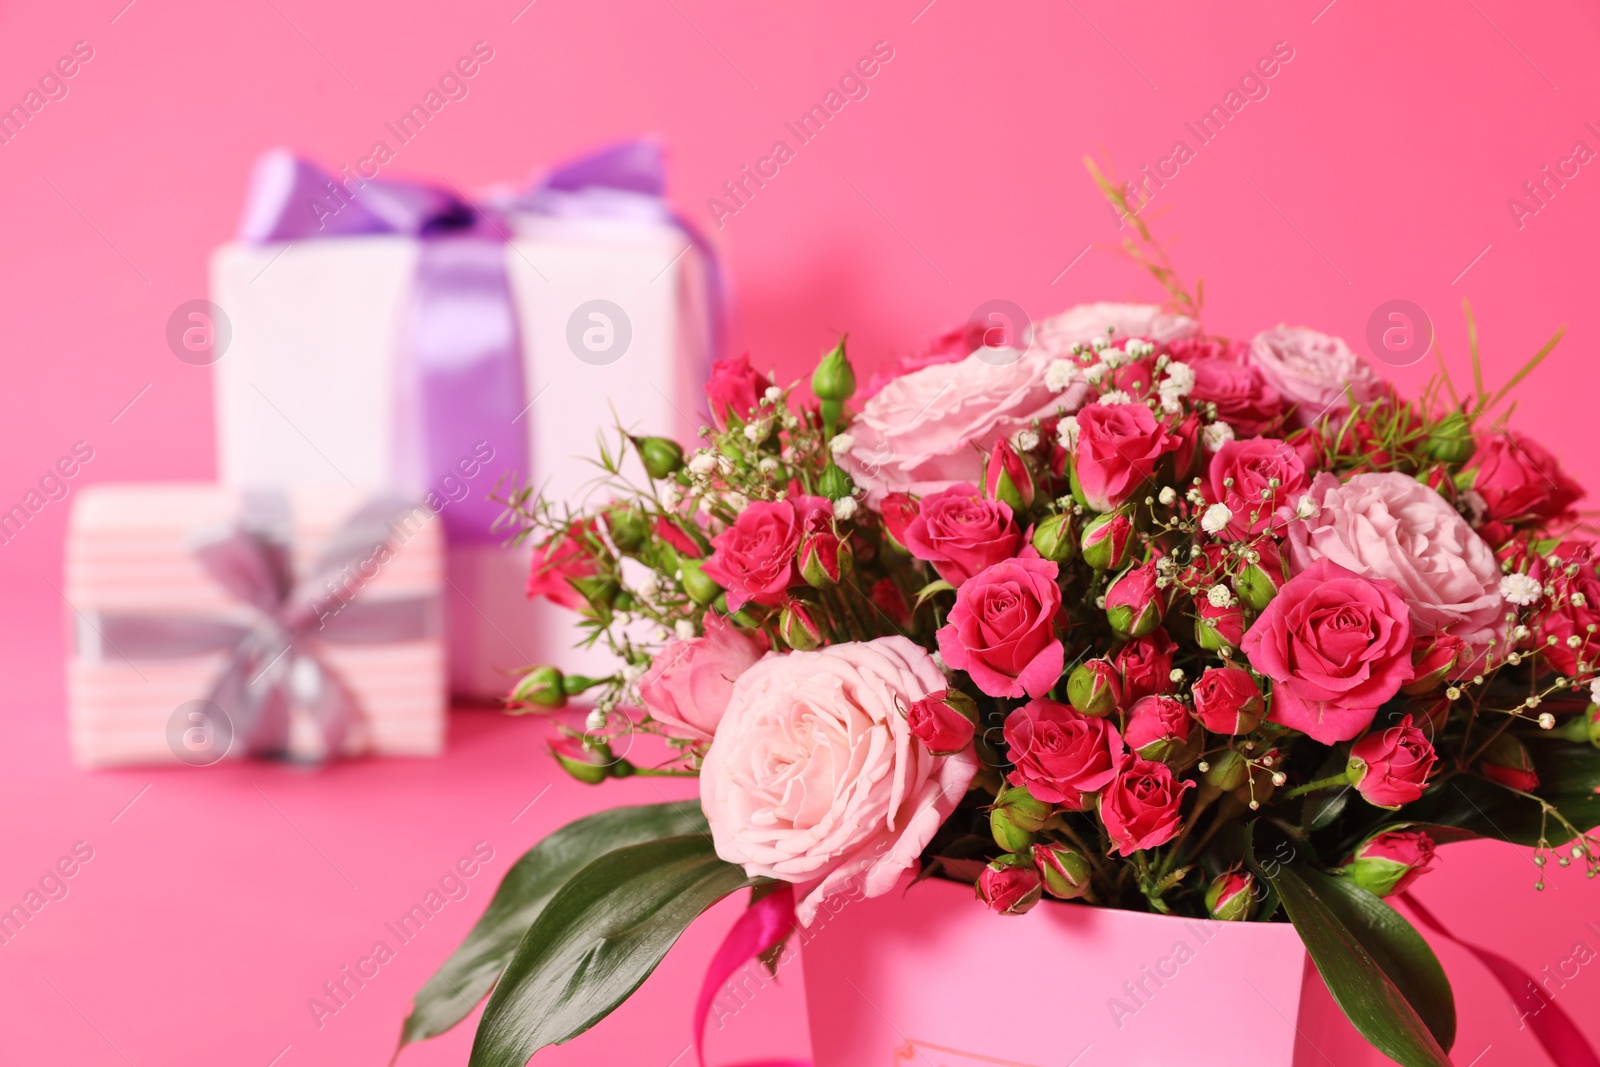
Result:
{"points": [[310, 390]]}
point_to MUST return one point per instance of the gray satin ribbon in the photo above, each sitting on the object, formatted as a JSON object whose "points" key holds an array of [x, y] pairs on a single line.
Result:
{"points": [[273, 661]]}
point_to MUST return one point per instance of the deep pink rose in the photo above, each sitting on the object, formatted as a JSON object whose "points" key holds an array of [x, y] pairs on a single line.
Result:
{"points": [[1059, 753], [1119, 446], [1519, 482], [1390, 767], [1313, 371], [1140, 808], [560, 559], [917, 434], [1560, 616], [1252, 465], [938, 721], [1156, 721], [754, 559], [1244, 398], [1392, 526], [1387, 863], [1336, 646], [688, 684], [1010, 888], [735, 389], [1146, 666], [815, 778], [1218, 626], [961, 533], [1227, 700], [1002, 629]]}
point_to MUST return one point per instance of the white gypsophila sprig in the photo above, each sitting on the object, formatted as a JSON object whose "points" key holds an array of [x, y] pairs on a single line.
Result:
{"points": [[1025, 440], [844, 509], [841, 445], [1067, 433], [1115, 396], [1060, 374], [1520, 589], [1215, 519], [1179, 380], [1219, 596], [1095, 373], [1168, 496], [1215, 435], [684, 629], [1305, 507], [702, 463]]}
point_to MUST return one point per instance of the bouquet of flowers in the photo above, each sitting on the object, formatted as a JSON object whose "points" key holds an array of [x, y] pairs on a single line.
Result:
{"points": [[1136, 616]]}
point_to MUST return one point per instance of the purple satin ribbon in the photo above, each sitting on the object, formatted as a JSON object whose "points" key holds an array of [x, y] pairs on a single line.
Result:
{"points": [[461, 382]]}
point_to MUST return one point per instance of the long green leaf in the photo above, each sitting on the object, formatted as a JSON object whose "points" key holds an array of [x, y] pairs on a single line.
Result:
{"points": [[596, 941], [1569, 774], [456, 987], [1379, 970]]}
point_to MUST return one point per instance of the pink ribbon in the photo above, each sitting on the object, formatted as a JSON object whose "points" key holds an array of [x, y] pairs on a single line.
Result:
{"points": [[764, 924], [1557, 1033]]}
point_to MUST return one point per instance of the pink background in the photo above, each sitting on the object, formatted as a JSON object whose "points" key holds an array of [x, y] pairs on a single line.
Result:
{"points": [[1378, 167]]}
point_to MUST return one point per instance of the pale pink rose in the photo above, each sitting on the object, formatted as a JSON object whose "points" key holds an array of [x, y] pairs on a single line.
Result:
{"points": [[1392, 526], [689, 682], [1311, 370], [1087, 321], [921, 433], [815, 776]]}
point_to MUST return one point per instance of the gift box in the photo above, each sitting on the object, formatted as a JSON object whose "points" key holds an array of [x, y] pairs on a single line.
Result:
{"points": [[382, 334], [891, 979], [208, 622]]}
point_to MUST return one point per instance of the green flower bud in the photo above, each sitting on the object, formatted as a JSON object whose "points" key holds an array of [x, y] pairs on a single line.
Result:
{"points": [[1094, 688], [1451, 440], [835, 484], [834, 378], [798, 629], [1106, 541], [1227, 770], [1255, 586], [590, 764], [1231, 896], [542, 687], [1055, 540], [629, 528], [662, 456], [700, 589], [599, 590], [1065, 871]]}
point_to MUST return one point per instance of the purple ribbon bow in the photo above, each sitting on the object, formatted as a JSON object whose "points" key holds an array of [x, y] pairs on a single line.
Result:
{"points": [[273, 662], [461, 376]]}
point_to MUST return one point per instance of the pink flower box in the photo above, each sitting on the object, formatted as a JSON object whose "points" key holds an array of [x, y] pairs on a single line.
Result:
{"points": [[927, 976]]}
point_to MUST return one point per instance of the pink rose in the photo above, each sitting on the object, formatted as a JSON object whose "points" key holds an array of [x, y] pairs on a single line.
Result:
{"points": [[1387, 863], [1392, 526], [1119, 322], [1059, 753], [815, 778], [754, 559], [1227, 700], [1390, 767], [1313, 371], [916, 435], [1251, 465], [563, 557], [944, 722], [1119, 446], [735, 389], [1336, 646], [1156, 725], [961, 533], [1006, 476], [1560, 616], [1009, 888], [688, 684], [1002, 629], [1244, 398], [1146, 665], [1519, 482], [1141, 806]]}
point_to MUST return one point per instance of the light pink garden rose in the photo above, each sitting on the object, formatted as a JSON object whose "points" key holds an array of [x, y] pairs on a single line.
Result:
{"points": [[1392, 526], [1087, 321], [815, 777], [1311, 369], [920, 433], [689, 682]]}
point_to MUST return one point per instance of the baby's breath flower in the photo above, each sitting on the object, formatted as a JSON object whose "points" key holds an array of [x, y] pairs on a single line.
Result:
{"points": [[1114, 357], [1215, 435], [1519, 589], [1179, 380], [1025, 440], [767, 465], [1216, 518], [844, 509], [1094, 373], [1305, 507], [1116, 396], [684, 629], [702, 463], [1060, 374], [1168, 497], [841, 444], [1067, 433], [773, 394], [1220, 596]]}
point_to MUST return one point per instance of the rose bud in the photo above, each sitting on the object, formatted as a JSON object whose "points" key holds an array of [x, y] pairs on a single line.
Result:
{"points": [[700, 587], [1231, 896], [628, 528], [662, 456], [892, 602], [1134, 604], [898, 511], [1227, 770], [1009, 885], [1105, 541], [1387, 863], [825, 560], [1450, 441], [944, 721], [835, 484], [1157, 726], [1257, 581], [798, 629], [589, 762], [1433, 661], [1227, 700], [1054, 540], [1506, 761], [1094, 688], [1006, 477], [543, 687], [1065, 871], [1016, 816], [834, 378], [1217, 628], [1389, 767]]}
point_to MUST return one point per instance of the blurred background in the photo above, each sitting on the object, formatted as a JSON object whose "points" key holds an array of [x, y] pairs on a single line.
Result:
{"points": [[1398, 153]]}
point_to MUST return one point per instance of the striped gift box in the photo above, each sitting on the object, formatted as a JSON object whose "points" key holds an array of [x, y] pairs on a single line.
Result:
{"points": [[131, 553]]}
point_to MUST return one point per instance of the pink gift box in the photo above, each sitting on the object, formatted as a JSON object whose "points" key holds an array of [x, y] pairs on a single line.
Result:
{"points": [[139, 681], [926, 975]]}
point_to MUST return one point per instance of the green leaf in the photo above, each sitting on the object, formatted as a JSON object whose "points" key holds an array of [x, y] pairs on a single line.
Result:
{"points": [[596, 941], [1569, 774], [931, 589], [456, 987], [1378, 968]]}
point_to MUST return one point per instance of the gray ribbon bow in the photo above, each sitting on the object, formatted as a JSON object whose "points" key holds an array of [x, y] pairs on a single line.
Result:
{"points": [[273, 662]]}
